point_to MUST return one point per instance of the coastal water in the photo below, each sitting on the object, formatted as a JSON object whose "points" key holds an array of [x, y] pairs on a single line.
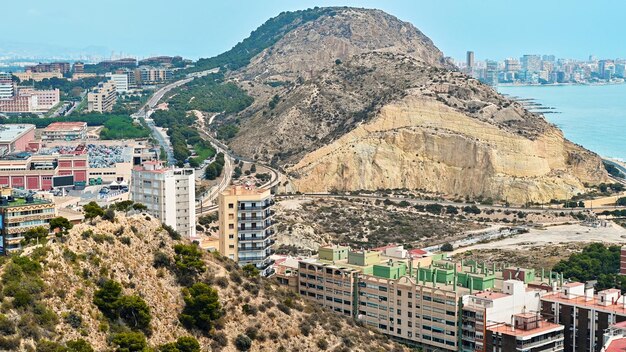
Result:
{"points": [[592, 116]]}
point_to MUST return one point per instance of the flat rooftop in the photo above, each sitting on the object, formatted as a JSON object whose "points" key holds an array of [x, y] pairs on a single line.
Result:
{"points": [[11, 132], [66, 126], [543, 327], [581, 301], [22, 201]]}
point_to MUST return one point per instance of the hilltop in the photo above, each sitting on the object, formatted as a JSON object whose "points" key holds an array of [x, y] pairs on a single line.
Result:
{"points": [[64, 293], [354, 99]]}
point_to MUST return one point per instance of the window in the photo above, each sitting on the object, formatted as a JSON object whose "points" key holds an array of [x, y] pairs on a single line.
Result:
{"points": [[231, 216], [231, 246], [399, 293], [410, 295], [231, 226], [231, 206], [230, 237]]}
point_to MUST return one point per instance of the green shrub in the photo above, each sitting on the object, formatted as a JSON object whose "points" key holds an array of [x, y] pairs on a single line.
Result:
{"points": [[243, 342], [79, 345], [202, 307], [130, 342]]}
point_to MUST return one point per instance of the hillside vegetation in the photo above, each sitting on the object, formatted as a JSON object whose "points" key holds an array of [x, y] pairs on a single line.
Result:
{"points": [[126, 283]]}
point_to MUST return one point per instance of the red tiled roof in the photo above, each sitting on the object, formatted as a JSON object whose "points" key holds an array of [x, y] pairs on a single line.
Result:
{"points": [[618, 345], [417, 251]]}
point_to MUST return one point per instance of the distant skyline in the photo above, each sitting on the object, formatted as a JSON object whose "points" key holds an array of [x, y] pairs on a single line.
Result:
{"points": [[195, 28]]}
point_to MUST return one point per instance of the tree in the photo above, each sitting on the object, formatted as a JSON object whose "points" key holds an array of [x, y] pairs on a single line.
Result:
{"points": [[210, 172], [124, 205], [61, 226], [92, 210], [202, 307], [106, 298], [50, 346], [249, 270], [140, 207], [109, 214], [621, 201], [447, 247], [194, 163], [130, 342], [243, 342], [187, 344], [37, 235], [134, 311], [188, 262], [79, 345]]}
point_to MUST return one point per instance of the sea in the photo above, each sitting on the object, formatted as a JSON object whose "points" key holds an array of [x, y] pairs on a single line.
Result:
{"points": [[593, 116]]}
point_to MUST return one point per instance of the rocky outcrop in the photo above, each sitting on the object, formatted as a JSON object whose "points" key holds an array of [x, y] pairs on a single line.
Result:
{"points": [[339, 35], [390, 113]]}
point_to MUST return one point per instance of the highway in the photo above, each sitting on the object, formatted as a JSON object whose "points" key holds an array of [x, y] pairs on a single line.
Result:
{"points": [[206, 204], [148, 108]]}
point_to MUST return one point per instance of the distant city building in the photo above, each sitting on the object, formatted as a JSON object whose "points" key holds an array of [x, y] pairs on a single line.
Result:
{"points": [[160, 60], [491, 73], [512, 65], [246, 226], [78, 67], [61, 67], [102, 98], [37, 76], [469, 61], [122, 84], [120, 63], [531, 63], [15, 137], [66, 131], [152, 75], [20, 213], [31, 100], [606, 69], [169, 194], [7, 86]]}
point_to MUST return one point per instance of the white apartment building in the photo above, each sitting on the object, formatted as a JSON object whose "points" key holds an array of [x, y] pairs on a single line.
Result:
{"points": [[7, 87], [102, 98], [169, 195], [121, 82]]}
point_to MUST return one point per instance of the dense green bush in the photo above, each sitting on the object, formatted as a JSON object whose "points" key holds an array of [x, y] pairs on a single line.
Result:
{"points": [[130, 342], [188, 263], [202, 307], [243, 342]]}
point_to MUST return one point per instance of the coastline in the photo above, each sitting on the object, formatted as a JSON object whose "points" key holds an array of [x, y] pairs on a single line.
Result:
{"points": [[559, 84]]}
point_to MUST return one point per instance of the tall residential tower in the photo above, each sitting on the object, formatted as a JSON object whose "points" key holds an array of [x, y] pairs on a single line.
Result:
{"points": [[245, 225]]}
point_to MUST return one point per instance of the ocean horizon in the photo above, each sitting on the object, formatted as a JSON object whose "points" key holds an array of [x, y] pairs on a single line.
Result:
{"points": [[593, 116]]}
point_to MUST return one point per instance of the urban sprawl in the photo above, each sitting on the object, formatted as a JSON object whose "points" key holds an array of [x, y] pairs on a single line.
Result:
{"points": [[420, 297]]}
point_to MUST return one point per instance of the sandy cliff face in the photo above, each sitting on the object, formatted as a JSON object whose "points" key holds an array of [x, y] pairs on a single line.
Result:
{"points": [[419, 143]]}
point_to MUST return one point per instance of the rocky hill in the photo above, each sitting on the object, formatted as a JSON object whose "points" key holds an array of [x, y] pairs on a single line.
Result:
{"points": [[64, 294], [357, 99]]}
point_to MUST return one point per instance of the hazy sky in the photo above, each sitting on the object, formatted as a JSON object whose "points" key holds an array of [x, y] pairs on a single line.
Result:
{"points": [[200, 28]]}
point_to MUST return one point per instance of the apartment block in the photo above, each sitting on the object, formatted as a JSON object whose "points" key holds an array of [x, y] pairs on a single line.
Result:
{"points": [[7, 86], [20, 213], [169, 194], [585, 315], [153, 75], [102, 98], [528, 332], [246, 226]]}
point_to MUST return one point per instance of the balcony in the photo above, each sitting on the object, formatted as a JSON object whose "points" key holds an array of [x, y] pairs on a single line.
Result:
{"points": [[256, 208], [254, 229]]}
